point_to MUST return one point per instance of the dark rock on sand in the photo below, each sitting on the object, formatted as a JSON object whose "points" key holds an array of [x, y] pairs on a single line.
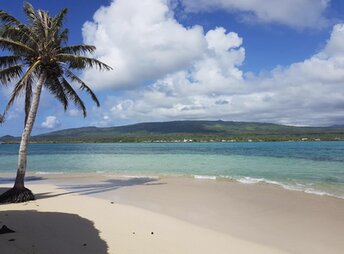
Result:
{"points": [[6, 230]]}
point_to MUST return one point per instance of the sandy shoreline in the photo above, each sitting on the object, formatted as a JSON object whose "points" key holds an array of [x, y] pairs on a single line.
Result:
{"points": [[118, 215]]}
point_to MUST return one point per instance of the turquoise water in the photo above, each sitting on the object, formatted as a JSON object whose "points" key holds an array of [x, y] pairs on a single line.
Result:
{"points": [[316, 167]]}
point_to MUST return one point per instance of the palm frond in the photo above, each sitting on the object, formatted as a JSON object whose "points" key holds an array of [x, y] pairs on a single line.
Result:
{"points": [[55, 87], [82, 62], [29, 12], [29, 72], [14, 33], [53, 27], [83, 86], [78, 49], [7, 19], [10, 73], [40, 44], [8, 61], [15, 46], [22, 34], [63, 38], [72, 95], [37, 22], [9, 22], [57, 21], [19, 87], [45, 22]]}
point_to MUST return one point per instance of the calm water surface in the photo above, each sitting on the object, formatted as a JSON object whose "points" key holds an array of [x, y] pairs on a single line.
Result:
{"points": [[316, 167]]}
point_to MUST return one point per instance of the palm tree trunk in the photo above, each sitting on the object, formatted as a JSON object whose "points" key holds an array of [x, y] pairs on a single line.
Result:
{"points": [[22, 158]]}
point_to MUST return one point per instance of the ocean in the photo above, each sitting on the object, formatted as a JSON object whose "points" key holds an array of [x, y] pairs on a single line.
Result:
{"points": [[313, 167]]}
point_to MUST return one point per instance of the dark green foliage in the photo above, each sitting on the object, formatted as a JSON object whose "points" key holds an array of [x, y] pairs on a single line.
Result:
{"points": [[39, 48], [38, 56], [195, 130]]}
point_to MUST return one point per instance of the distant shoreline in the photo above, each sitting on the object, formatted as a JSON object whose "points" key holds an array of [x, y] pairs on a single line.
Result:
{"points": [[171, 142], [188, 131], [32, 177]]}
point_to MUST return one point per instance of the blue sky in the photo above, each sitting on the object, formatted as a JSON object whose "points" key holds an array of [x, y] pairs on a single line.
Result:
{"points": [[280, 62]]}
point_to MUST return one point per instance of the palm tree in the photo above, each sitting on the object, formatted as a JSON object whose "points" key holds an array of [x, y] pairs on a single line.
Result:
{"points": [[38, 56]]}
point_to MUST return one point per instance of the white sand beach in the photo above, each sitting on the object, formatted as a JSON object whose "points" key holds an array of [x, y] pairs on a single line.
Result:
{"points": [[111, 214]]}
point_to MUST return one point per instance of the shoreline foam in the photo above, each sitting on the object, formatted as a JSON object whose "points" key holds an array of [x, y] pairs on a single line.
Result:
{"points": [[296, 186]]}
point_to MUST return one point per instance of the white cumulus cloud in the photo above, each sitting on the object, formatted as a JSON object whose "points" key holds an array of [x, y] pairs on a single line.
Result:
{"points": [[294, 13], [141, 40], [190, 74], [50, 122], [310, 92], [74, 112]]}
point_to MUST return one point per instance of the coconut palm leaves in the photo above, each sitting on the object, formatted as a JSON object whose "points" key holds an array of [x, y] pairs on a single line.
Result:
{"points": [[39, 47], [36, 56]]}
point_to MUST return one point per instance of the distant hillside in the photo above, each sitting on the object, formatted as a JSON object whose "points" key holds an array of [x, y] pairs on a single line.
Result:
{"points": [[189, 130], [8, 138]]}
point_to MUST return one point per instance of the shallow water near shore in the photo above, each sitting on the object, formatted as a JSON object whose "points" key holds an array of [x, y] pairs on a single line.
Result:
{"points": [[314, 167]]}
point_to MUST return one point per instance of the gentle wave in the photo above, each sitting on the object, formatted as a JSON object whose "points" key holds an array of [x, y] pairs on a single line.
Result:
{"points": [[48, 173], [205, 177], [296, 187], [243, 180], [133, 176], [251, 180]]}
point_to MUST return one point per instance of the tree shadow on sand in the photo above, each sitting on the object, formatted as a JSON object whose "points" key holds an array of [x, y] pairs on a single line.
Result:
{"points": [[49, 232], [109, 185], [10, 180], [99, 187]]}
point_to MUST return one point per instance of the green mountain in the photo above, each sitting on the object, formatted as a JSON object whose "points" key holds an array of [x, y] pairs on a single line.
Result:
{"points": [[189, 131]]}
